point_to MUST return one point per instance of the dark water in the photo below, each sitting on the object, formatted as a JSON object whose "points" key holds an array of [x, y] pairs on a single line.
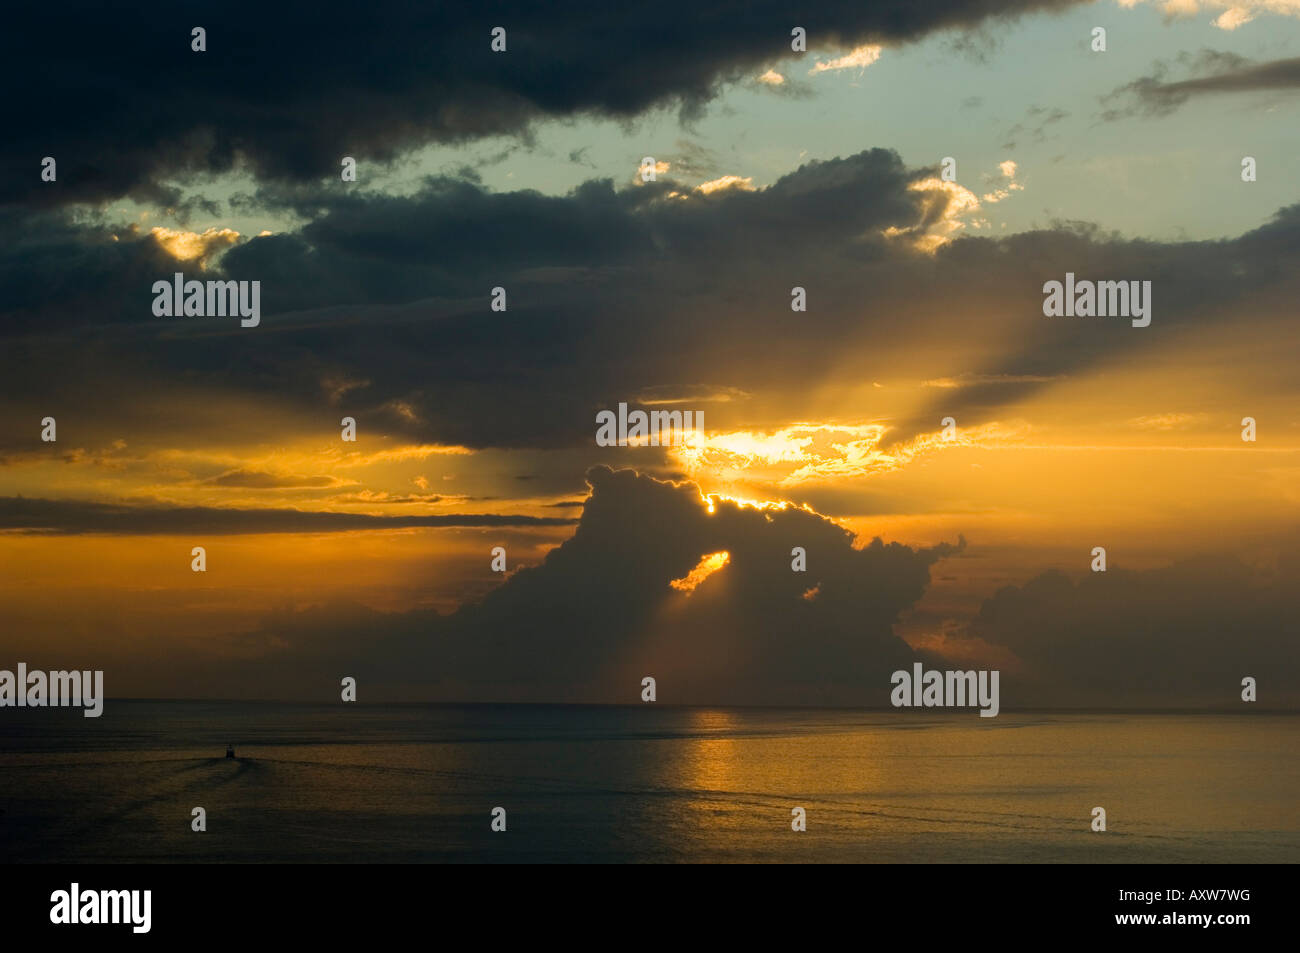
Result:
{"points": [[418, 783]]}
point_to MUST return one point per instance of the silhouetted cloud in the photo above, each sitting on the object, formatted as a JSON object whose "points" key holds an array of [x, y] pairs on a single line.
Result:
{"points": [[599, 614], [288, 92], [1185, 634]]}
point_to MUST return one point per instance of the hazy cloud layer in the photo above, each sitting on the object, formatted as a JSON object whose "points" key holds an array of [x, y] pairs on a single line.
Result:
{"points": [[75, 517]]}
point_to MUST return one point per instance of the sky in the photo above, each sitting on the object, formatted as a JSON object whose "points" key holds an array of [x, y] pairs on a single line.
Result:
{"points": [[969, 544]]}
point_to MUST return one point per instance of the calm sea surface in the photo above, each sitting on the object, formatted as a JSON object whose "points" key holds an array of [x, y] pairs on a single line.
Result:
{"points": [[417, 783]]}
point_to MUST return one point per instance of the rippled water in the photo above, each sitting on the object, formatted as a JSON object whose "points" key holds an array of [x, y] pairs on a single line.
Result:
{"points": [[418, 783]]}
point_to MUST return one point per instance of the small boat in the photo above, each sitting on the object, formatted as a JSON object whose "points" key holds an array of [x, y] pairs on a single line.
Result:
{"points": [[230, 751]]}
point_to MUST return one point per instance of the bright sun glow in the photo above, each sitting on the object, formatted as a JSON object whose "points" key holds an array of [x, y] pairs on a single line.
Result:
{"points": [[705, 568]]}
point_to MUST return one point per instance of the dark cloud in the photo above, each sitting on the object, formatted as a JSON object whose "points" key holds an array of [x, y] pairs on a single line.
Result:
{"points": [[257, 480], [1195, 285], [65, 517], [395, 291], [118, 97], [372, 498], [1227, 73], [599, 614], [613, 293], [1182, 635], [579, 157], [1035, 124], [693, 160], [58, 271]]}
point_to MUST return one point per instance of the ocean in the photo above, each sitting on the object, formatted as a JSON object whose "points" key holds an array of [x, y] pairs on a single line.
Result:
{"points": [[418, 783]]}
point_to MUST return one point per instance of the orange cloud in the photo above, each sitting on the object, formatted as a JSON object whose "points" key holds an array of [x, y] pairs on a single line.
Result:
{"points": [[860, 57], [705, 568], [194, 246], [744, 183]]}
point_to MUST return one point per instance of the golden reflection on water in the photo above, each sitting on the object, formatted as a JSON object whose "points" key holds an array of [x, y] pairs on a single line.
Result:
{"points": [[872, 783]]}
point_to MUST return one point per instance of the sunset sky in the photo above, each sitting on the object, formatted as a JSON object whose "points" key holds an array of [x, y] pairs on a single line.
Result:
{"points": [[475, 428]]}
